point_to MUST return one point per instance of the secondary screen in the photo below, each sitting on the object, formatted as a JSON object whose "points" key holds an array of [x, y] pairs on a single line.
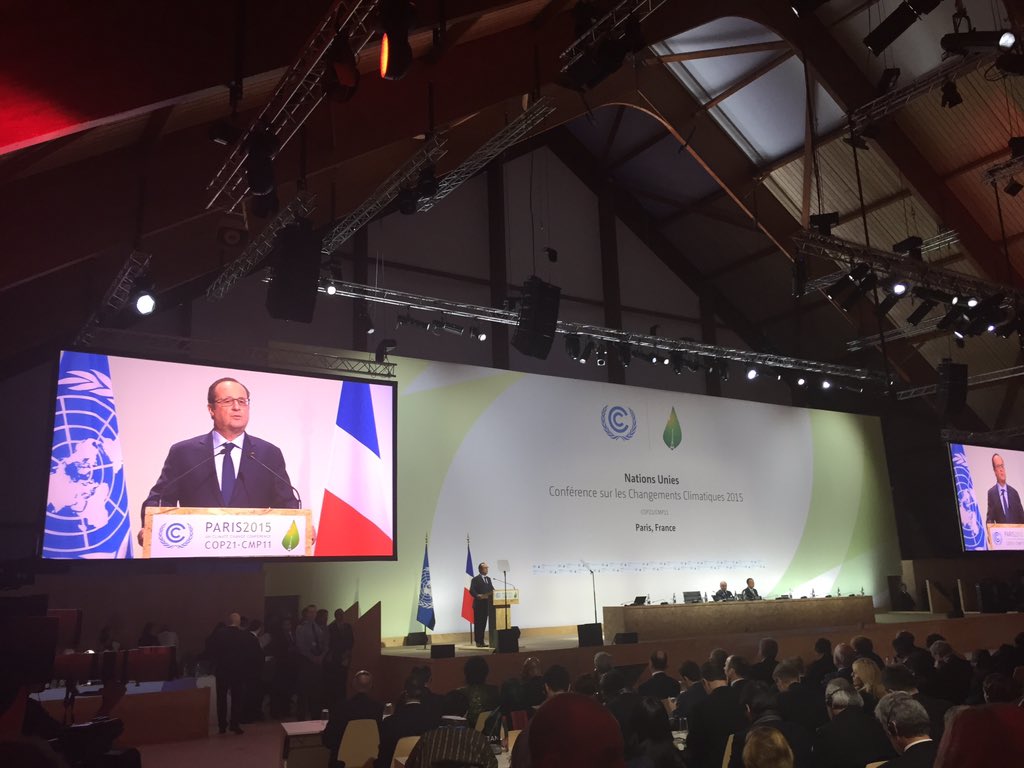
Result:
{"points": [[153, 459], [987, 499]]}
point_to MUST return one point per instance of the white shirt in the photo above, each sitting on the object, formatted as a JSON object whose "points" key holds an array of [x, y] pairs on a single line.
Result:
{"points": [[236, 455]]}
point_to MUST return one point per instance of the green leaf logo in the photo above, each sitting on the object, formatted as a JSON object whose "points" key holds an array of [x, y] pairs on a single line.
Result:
{"points": [[291, 539], [673, 434]]}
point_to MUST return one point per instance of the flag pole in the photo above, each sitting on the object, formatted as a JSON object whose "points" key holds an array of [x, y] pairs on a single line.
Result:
{"points": [[426, 542], [471, 637]]}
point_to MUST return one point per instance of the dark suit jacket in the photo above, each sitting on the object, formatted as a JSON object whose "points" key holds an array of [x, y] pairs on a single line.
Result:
{"points": [[920, 755], [804, 704], [1014, 508], [936, 709], [359, 707], [952, 681], [689, 699], [722, 595], [480, 586], [410, 719], [763, 670], [233, 650], [711, 722], [255, 485], [659, 685], [749, 593], [818, 669], [852, 739]]}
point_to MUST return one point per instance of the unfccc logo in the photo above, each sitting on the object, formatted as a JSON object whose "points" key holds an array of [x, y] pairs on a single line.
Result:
{"points": [[175, 535], [619, 422]]}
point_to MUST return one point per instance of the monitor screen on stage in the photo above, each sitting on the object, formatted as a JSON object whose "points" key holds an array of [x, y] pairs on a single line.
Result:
{"points": [[154, 459], [985, 480]]}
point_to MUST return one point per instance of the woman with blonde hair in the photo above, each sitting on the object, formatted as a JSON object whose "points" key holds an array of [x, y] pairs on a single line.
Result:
{"points": [[867, 679], [766, 748]]}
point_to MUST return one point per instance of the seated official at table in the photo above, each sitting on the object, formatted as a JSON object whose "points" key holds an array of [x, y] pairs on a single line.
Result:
{"points": [[749, 593], [723, 593]]}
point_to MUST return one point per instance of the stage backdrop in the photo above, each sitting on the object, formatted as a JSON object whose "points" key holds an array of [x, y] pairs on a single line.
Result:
{"points": [[657, 492]]}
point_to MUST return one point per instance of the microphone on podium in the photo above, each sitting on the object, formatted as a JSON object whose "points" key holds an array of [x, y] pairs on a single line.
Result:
{"points": [[160, 499], [298, 497]]}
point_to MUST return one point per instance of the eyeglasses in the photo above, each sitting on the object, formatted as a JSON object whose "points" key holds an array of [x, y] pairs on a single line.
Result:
{"points": [[227, 402]]}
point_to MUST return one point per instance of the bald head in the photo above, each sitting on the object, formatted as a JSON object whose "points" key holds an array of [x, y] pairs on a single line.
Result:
{"points": [[234, 619]]}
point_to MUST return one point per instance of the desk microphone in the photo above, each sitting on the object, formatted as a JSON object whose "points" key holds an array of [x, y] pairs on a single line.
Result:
{"points": [[182, 476], [252, 455]]}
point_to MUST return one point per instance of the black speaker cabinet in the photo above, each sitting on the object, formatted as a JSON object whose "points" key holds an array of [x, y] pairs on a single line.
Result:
{"points": [[951, 394], [508, 640], [442, 651], [415, 638], [538, 317], [626, 638], [589, 635]]}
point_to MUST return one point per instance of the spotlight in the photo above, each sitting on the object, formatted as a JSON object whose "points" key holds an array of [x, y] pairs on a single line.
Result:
{"points": [[665, 360], [261, 147], [751, 374], [144, 303], [369, 325], [910, 247], [677, 362], [898, 287], [602, 356], [410, 320], [625, 354], [587, 352], [341, 75], [890, 76], [801, 381], [383, 348], [962, 43], [838, 288], [826, 384], [396, 18], [572, 346], [408, 200], [950, 95], [972, 302], [426, 186], [654, 357], [1013, 187], [822, 223], [896, 23], [921, 312], [331, 289], [477, 334]]}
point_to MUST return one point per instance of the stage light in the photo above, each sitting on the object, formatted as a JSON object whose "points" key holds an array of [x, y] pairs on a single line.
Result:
{"points": [[991, 328], [395, 19], [383, 348], [910, 247], [921, 312], [839, 287], [410, 320], [801, 381], [477, 334], [341, 75], [587, 352], [887, 82], [751, 374], [896, 23], [625, 354], [899, 287], [950, 95], [572, 346], [972, 302], [427, 185], [822, 223], [259, 171], [369, 325], [602, 356], [962, 43], [1013, 187], [144, 303], [826, 384], [665, 360], [654, 357], [331, 289], [677, 362], [408, 200]]}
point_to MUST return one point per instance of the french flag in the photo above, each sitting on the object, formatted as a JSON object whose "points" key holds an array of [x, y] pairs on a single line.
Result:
{"points": [[467, 599], [357, 516]]}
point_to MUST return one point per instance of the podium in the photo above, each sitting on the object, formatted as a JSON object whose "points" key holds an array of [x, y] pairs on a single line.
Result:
{"points": [[501, 613], [1005, 536], [175, 532]]}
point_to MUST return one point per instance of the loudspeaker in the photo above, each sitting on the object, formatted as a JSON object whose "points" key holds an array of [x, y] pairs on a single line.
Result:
{"points": [[625, 638], [415, 638], [508, 640], [538, 317], [442, 651], [589, 635], [295, 260], [951, 394]]}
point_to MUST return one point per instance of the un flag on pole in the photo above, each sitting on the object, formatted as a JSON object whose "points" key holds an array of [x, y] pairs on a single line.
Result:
{"points": [[87, 513], [971, 525], [425, 611]]}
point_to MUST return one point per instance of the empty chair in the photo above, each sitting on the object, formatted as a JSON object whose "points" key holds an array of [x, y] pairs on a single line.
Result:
{"points": [[360, 742]]}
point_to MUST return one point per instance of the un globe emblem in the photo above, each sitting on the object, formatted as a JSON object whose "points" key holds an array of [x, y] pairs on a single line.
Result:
{"points": [[87, 504]]}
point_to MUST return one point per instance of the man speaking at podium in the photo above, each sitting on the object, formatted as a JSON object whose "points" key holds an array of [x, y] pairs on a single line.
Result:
{"points": [[483, 594], [225, 467]]}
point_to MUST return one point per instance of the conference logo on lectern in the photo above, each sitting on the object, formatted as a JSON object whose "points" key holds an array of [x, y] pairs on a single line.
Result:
{"points": [[175, 535], [673, 434], [997, 538], [619, 422]]}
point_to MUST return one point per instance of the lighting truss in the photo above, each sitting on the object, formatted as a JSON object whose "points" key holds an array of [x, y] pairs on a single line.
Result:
{"points": [[946, 238], [428, 154], [596, 333], [1003, 170], [117, 294], [518, 128], [260, 246], [178, 347], [982, 378], [894, 265], [610, 25], [902, 332], [298, 93], [894, 101], [992, 437]]}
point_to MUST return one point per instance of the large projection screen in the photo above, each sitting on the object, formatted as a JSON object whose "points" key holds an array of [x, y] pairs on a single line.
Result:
{"points": [[116, 419], [987, 501]]}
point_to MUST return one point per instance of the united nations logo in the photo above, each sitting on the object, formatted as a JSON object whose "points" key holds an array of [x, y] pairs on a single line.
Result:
{"points": [[175, 535], [997, 537], [426, 595], [619, 422]]}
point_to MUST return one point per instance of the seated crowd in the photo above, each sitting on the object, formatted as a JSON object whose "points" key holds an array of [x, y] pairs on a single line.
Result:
{"points": [[847, 708]]}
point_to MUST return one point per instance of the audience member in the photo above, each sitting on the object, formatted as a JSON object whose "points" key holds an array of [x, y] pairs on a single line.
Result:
{"points": [[713, 720], [799, 702], [586, 686], [1000, 689], [817, 670], [917, 660], [231, 650], [737, 672], [619, 698], [310, 647], [340, 643], [851, 738], [865, 649], [167, 636], [988, 736], [148, 636], [574, 731], [903, 600], [525, 690], [953, 673], [983, 667], [659, 685], [691, 689], [718, 657], [867, 679], [897, 677], [908, 727], [556, 682], [410, 718], [767, 651], [843, 657], [760, 705], [360, 706], [931, 639], [284, 669], [482, 696], [766, 748], [648, 737], [450, 745]]}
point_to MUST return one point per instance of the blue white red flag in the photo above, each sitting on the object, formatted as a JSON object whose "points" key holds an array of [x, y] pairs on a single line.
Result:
{"points": [[467, 599]]}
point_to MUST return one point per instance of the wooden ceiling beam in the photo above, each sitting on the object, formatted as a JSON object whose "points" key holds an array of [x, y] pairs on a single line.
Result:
{"points": [[734, 50]]}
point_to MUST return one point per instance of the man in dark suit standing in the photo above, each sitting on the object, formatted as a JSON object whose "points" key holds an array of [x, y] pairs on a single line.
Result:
{"points": [[231, 647], [1004, 505], [907, 725], [225, 467], [659, 685], [713, 720], [483, 595]]}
